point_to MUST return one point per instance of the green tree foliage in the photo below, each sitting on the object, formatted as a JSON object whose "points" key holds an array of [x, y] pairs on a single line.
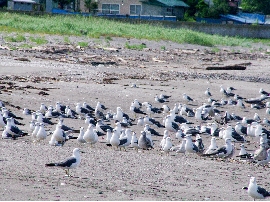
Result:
{"points": [[63, 3], [259, 6], [92, 6], [191, 11], [214, 11]]}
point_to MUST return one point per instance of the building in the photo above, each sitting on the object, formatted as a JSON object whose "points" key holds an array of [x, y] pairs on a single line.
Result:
{"points": [[164, 7], [122, 7], [143, 7], [23, 5]]}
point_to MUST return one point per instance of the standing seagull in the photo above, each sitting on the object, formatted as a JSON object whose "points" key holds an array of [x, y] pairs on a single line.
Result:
{"points": [[207, 93], [70, 163], [225, 151], [255, 191], [187, 98], [144, 142], [213, 146]]}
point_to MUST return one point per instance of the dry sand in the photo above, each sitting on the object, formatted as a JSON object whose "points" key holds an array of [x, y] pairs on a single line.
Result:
{"points": [[68, 76]]}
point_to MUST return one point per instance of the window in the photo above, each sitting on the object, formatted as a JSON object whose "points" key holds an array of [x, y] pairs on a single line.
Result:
{"points": [[169, 11], [110, 8], [135, 9]]}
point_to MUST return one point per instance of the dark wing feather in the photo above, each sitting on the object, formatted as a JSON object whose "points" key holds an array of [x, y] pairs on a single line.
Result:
{"points": [[123, 141], [195, 148], [67, 163], [263, 192], [180, 119], [105, 127], [175, 126]]}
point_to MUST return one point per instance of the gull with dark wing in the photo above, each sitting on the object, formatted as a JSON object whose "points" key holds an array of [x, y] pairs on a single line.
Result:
{"points": [[70, 163]]}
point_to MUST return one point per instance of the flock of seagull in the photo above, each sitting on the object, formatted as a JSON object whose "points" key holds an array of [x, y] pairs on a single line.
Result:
{"points": [[210, 118]]}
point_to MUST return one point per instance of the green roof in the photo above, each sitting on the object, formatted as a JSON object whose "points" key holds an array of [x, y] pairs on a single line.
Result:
{"points": [[171, 3]]}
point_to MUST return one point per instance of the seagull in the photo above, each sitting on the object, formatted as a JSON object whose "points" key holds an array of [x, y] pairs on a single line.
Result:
{"points": [[43, 108], [59, 108], [261, 153], [89, 119], [90, 135], [256, 106], [255, 191], [13, 130], [243, 153], [161, 96], [35, 131], [114, 141], [257, 117], [166, 109], [70, 163], [223, 91], [99, 114], [213, 146], [185, 110], [160, 100], [242, 130], [81, 110], [27, 111], [151, 130], [266, 122], [101, 127], [167, 145], [236, 118], [153, 110], [140, 121], [100, 106], [136, 110], [151, 121], [207, 92], [70, 113], [187, 98], [264, 92], [126, 140], [247, 121], [240, 104], [42, 119], [31, 126], [80, 137], [190, 147], [59, 136], [224, 151], [182, 147], [134, 141], [170, 125], [136, 103], [41, 134], [265, 161], [88, 107], [199, 143], [179, 135], [143, 142], [50, 113]]}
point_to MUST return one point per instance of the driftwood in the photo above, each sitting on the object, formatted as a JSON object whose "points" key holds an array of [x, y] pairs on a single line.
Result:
{"points": [[241, 66]]}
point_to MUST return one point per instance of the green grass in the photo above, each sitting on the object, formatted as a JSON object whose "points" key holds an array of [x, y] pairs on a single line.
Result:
{"points": [[96, 27], [83, 44], [25, 46], [38, 40], [135, 46], [18, 38]]}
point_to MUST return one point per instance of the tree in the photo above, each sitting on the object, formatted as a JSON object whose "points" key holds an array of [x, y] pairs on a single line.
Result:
{"points": [[63, 3], [92, 6], [251, 6], [219, 7], [191, 11]]}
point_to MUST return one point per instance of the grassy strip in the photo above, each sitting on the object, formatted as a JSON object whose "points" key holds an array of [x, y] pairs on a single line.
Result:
{"points": [[95, 27]]}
